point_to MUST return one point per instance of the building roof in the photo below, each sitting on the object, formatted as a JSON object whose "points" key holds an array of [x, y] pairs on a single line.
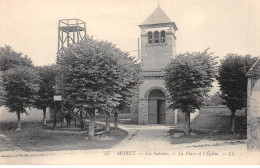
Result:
{"points": [[157, 17], [255, 69]]}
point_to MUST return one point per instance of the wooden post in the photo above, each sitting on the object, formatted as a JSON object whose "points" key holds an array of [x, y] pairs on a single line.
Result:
{"points": [[74, 41], [138, 50], [77, 31], [68, 34], [59, 36], [175, 116], [55, 112], [85, 30]]}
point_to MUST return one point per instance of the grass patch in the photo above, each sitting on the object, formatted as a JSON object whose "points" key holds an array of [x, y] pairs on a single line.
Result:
{"points": [[33, 137], [211, 123], [212, 126], [197, 136]]}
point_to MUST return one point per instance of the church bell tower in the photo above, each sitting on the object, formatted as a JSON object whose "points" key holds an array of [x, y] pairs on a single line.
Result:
{"points": [[158, 36]]}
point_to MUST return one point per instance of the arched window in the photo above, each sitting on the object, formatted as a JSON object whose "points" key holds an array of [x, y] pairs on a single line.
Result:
{"points": [[162, 36], [156, 37], [150, 37]]}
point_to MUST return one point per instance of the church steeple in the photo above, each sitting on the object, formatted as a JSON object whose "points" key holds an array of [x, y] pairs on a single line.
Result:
{"points": [[157, 40], [158, 36], [158, 17]]}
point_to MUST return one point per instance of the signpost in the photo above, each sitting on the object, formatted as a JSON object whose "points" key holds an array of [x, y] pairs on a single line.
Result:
{"points": [[57, 98]]}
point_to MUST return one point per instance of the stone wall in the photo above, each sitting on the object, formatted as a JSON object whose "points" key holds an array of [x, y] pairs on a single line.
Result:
{"points": [[143, 111], [253, 114], [157, 55], [170, 117], [181, 116], [220, 110], [134, 107], [144, 90], [150, 84]]}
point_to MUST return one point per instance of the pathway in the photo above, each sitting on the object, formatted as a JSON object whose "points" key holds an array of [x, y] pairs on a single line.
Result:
{"points": [[145, 138], [142, 140]]}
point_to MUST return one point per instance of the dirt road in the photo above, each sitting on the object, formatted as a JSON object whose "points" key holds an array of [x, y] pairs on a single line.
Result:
{"points": [[143, 145]]}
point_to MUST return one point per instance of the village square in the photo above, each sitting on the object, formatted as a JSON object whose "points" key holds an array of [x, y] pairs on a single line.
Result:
{"points": [[94, 98]]}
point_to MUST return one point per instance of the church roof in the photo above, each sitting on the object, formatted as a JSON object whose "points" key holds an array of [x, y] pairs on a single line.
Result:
{"points": [[157, 17], [255, 69]]}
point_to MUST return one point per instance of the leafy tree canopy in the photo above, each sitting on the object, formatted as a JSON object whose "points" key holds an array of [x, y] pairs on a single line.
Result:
{"points": [[10, 59], [2, 92], [21, 85], [96, 75], [233, 81], [189, 78], [47, 86], [129, 77]]}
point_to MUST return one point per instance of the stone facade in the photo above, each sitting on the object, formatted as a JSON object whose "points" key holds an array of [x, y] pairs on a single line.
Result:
{"points": [[253, 106], [157, 50], [144, 90], [156, 56]]}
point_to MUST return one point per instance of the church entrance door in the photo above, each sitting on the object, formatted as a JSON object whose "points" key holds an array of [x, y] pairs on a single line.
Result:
{"points": [[156, 107]]}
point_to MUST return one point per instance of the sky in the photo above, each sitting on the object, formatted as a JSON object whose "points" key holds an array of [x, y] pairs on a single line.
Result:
{"points": [[224, 26]]}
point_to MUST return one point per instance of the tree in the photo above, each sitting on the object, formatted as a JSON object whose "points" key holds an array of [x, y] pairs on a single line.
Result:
{"points": [[47, 88], [10, 59], [90, 76], [2, 92], [20, 85], [188, 79], [233, 82], [214, 100], [130, 76]]}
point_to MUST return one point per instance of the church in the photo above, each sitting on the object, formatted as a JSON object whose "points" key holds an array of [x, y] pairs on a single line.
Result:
{"points": [[158, 36]]}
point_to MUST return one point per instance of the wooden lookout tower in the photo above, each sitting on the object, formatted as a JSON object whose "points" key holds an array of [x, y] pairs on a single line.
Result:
{"points": [[70, 31]]}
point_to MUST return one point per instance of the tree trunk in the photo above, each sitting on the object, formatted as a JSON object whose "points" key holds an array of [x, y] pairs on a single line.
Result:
{"points": [[91, 131], [187, 123], [55, 113], [19, 125], [81, 120], [116, 120], [44, 116], [232, 121], [107, 129]]}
